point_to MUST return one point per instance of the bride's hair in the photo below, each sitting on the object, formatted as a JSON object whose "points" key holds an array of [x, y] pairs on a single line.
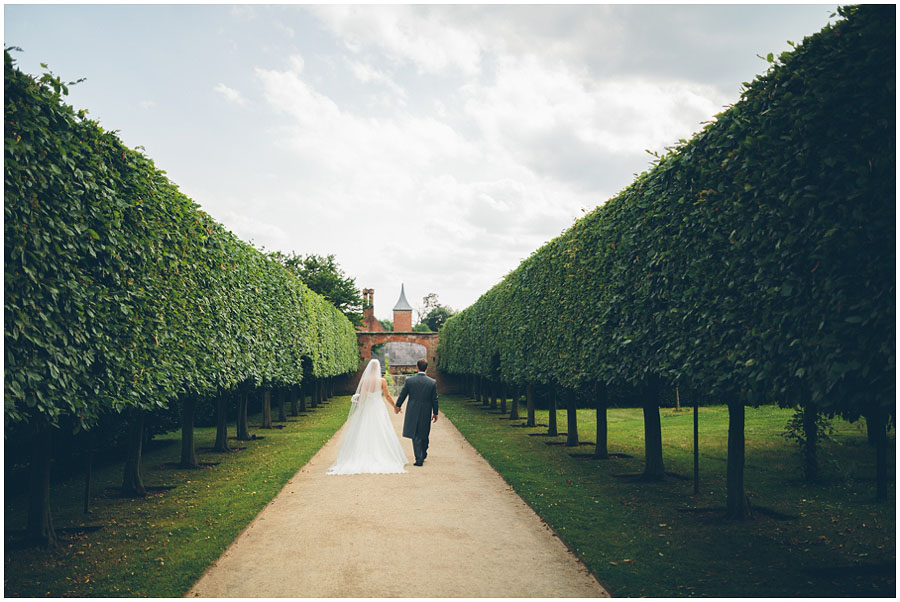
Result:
{"points": [[371, 378]]}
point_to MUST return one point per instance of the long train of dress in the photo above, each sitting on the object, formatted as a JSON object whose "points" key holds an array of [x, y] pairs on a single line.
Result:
{"points": [[370, 444]]}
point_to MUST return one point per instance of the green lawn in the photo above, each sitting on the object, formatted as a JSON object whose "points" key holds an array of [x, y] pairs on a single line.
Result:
{"points": [[160, 545], [637, 541]]}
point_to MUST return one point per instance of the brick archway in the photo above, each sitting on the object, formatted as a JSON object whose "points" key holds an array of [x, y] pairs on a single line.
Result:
{"points": [[367, 340]]}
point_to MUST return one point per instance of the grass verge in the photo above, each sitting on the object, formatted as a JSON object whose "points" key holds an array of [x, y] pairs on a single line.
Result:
{"points": [[661, 540], [159, 546]]}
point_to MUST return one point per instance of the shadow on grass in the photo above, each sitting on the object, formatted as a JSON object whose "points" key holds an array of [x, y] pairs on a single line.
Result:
{"points": [[639, 477], [861, 570], [152, 491], [593, 457], [18, 540], [199, 466], [719, 512]]}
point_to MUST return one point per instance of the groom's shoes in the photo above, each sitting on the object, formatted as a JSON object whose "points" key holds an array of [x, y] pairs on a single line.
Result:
{"points": [[419, 463]]}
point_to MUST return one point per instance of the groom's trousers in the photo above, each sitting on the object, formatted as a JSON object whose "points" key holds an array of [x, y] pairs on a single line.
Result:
{"points": [[420, 447]]}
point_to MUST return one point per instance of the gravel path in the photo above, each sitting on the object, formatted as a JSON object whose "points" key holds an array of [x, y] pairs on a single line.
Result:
{"points": [[452, 528]]}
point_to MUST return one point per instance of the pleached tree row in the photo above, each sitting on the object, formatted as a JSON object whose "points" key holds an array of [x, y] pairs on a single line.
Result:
{"points": [[123, 298], [753, 264]]}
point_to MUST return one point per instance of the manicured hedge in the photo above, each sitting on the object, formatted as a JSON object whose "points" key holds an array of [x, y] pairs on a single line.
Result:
{"points": [[121, 293], [753, 263]]}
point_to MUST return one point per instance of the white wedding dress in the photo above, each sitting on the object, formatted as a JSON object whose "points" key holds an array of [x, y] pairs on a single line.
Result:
{"points": [[370, 444]]}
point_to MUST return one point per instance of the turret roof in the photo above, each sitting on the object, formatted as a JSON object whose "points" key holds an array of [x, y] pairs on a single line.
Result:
{"points": [[402, 303]]}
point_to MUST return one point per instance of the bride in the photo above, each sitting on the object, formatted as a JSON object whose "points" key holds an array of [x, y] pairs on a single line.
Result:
{"points": [[370, 444]]}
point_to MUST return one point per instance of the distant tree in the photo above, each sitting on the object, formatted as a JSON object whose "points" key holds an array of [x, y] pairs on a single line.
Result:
{"points": [[421, 327], [388, 325], [429, 302], [324, 276], [432, 313], [437, 316]]}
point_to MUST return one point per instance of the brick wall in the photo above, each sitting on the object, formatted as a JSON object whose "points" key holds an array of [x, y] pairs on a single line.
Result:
{"points": [[347, 385]]}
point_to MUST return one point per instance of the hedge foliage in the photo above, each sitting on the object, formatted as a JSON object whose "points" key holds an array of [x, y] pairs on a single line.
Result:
{"points": [[754, 262], [120, 292]]}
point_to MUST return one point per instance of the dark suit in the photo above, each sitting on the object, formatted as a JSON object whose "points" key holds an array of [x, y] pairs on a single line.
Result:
{"points": [[423, 402]]}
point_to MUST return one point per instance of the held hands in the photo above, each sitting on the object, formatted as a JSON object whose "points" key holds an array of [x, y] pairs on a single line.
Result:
{"points": [[434, 418], [396, 409]]}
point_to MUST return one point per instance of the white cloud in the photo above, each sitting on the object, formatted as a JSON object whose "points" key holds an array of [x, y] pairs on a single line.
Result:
{"points": [[368, 74], [257, 229], [419, 188], [388, 149], [146, 104], [243, 12], [471, 180], [289, 31], [425, 37], [230, 94], [530, 99]]}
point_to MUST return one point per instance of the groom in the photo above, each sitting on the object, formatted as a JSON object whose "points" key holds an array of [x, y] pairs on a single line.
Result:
{"points": [[423, 400]]}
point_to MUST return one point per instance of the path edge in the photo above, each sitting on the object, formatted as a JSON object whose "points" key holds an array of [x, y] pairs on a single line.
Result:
{"points": [[538, 514], [258, 514]]}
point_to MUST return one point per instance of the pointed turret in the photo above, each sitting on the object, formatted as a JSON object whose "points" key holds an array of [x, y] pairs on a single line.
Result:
{"points": [[402, 303], [402, 313]]}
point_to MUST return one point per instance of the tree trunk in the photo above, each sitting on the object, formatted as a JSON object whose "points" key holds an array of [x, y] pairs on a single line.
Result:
{"points": [[314, 394], [877, 426], [514, 411], [502, 398], [485, 391], [737, 506], [601, 452], [39, 527], [474, 383], [132, 484], [295, 406], [88, 470], [188, 454], [571, 417], [304, 387], [811, 436], [552, 430], [677, 400], [654, 469], [477, 383], [221, 444], [529, 404], [243, 426], [696, 448], [282, 416], [266, 410], [871, 429], [495, 394]]}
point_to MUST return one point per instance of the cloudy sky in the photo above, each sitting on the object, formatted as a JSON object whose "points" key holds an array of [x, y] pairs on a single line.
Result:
{"points": [[436, 146]]}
